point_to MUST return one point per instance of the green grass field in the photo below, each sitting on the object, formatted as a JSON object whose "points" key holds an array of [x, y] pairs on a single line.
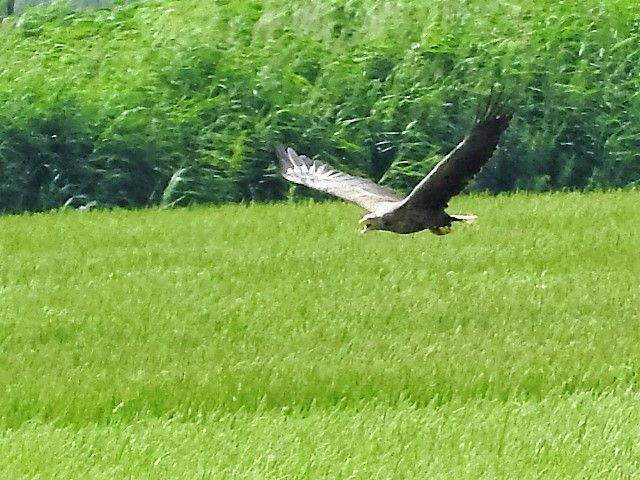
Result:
{"points": [[273, 341]]}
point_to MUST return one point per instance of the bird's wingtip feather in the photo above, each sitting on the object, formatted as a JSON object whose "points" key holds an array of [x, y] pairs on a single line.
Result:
{"points": [[496, 107]]}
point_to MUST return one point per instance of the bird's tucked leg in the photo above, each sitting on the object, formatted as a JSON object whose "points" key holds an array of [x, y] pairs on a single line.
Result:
{"points": [[441, 230]]}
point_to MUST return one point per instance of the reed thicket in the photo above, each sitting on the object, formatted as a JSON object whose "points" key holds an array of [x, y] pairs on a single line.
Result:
{"points": [[178, 102]]}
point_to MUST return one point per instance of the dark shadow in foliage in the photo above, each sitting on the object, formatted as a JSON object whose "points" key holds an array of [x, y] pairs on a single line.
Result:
{"points": [[56, 161], [41, 163], [258, 178]]}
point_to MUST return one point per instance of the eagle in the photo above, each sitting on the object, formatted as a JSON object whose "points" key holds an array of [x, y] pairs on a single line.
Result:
{"points": [[424, 207]]}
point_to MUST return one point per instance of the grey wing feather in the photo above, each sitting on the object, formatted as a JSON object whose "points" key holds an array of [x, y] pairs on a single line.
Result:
{"points": [[455, 171], [320, 176]]}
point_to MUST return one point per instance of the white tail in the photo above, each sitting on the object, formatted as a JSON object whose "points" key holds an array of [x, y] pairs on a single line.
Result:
{"points": [[465, 218]]}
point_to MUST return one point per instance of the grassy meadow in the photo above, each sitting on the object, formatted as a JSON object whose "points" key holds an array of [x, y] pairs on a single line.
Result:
{"points": [[273, 341]]}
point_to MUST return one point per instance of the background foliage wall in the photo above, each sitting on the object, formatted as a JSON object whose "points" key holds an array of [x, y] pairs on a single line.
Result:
{"points": [[180, 101]]}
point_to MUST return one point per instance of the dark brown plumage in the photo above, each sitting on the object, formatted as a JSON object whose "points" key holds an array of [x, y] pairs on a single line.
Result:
{"points": [[424, 207]]}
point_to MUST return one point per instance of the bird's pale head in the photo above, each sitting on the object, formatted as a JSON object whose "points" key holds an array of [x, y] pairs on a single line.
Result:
{"points": [[369, 222]]}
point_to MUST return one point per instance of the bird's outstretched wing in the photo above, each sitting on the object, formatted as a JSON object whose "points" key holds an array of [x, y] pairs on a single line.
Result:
{"points": [[320, 176], [455, 171]]}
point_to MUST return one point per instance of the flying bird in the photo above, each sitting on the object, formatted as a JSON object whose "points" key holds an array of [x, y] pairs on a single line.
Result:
{"points": [[424, 208]]}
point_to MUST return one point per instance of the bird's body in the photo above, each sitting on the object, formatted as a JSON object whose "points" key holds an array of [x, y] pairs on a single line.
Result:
{"points": [[424, 207], [392, 218]]}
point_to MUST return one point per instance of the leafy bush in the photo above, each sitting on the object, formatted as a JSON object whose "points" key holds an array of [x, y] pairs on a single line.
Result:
{"points": [[181, 101]]}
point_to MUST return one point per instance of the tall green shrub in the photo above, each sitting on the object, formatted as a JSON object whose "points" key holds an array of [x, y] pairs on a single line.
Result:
{"points": [[176, 102]]}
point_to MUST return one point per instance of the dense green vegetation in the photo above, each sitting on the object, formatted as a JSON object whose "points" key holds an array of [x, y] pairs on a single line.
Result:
{"points": [[5, 8], [180, 101], [232, 342]]}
